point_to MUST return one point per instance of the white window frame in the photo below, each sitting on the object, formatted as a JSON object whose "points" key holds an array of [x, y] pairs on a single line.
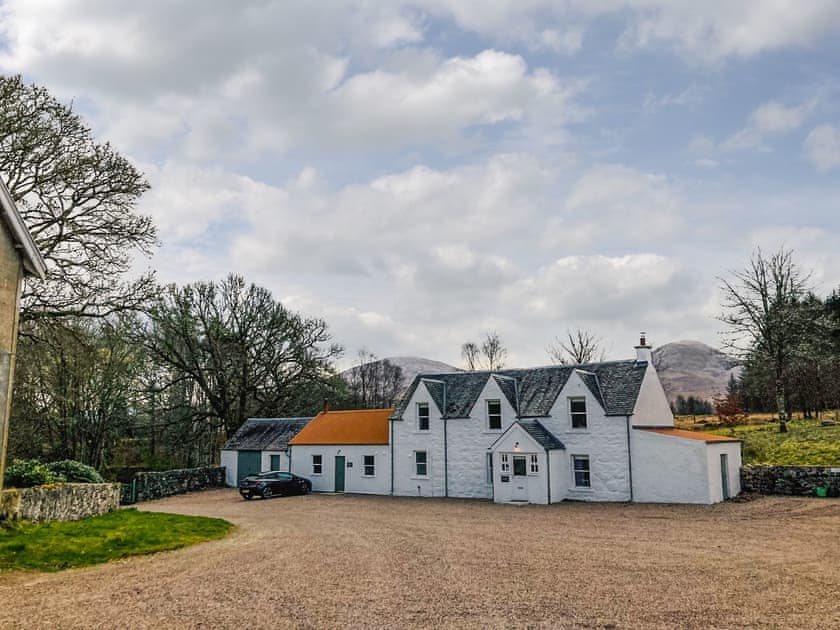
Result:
{"points": [[365, 466], [319, 464], [428, 409], [417, 465], [534, 464], [588, 471], [572, 414], [487, 414], [504, 462]]}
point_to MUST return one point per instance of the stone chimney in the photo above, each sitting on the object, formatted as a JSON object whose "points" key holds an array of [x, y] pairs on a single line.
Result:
{"points": [[643, 350]]}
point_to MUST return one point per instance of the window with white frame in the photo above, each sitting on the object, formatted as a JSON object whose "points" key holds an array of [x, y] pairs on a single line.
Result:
{"points": [[422, 416], [370, 466], [577, 412], [534, 464], [580, 470], [421, 464], [494, 415], [317, 464], [504, 461]]}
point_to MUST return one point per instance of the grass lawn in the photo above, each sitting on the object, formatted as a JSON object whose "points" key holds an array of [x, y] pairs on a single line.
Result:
{"points": [[61, 545], [807, 443]]}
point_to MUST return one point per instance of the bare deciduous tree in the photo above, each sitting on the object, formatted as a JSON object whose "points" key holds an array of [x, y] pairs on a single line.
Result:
{"points": [[762, 310], [490, 355], [374, 383], [78, 200], [470, 354], [580, 346]]}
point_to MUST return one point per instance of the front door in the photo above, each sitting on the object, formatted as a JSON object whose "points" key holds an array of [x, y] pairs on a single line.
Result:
{"points": [[339, 473], [519, 491], [724, 475], [247, 463]]}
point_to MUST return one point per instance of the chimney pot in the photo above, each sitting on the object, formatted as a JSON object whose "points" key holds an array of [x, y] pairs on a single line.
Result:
{"points": [[326, 405], [642, 339]]}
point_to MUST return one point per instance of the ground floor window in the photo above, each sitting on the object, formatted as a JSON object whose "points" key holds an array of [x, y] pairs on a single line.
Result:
{"points": [[275, 462], [421, 464], [580, 467], [505, 462], [370, 465], [534, 467], [317, 464]]}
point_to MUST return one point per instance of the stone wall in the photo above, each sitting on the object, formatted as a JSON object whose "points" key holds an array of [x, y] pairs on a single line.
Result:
{"points": [[60, 502], [790, 480], [147, 486]]}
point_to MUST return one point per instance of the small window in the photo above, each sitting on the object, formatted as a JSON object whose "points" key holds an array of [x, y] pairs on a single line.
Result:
{"points": [[317, 464], [494, 415], [370, 465], [275, 462], [421, 467], [580, 468], [534, 466], [505, 462], [577, 411], [422, 416]]}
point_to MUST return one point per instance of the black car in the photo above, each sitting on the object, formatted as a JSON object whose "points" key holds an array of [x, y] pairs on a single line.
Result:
{"points": [[273, 484]]}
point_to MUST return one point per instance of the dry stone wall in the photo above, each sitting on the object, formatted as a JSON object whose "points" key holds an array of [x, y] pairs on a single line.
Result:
{"points": [[60, 502], [147, 486], [791, 480]]}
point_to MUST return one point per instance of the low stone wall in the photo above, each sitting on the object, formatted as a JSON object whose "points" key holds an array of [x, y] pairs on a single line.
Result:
{"points": [[60, 502], [147, 486], [790, 480]]}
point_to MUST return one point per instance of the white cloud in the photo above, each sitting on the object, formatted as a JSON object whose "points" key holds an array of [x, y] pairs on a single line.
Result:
{"points": [[822, 147], [768, 119]]}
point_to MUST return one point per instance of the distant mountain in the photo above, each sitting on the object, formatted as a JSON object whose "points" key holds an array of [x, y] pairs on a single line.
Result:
{"points": [[691, 368], [412, 366]]}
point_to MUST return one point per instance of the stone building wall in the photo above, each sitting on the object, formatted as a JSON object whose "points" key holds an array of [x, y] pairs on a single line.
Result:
{"points": [[790, 480]]}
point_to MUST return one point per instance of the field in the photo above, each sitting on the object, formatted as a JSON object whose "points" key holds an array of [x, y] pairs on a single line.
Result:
{"points": [[338, 561], [807, 442]]}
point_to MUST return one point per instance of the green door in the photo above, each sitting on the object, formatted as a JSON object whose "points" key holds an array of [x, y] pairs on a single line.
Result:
{"points": [[247, 463], [339, 473]]}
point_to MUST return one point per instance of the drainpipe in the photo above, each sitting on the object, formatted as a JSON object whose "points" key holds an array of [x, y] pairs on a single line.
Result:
{"points": [[548, 474], [392, 456], [629, 459], [445, 460]]}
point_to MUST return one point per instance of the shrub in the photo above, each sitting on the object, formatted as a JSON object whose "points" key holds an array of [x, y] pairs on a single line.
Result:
{"points": [[75, 472], [25, 473]]}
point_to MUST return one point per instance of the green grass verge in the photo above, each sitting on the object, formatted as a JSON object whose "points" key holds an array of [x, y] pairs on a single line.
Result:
{"points": [[806, 443], [61, 545]]}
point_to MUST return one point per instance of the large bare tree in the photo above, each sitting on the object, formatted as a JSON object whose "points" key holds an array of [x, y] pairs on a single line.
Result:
{"points": [[763, 311], [579, 346], [490, 355], [78, 199]]}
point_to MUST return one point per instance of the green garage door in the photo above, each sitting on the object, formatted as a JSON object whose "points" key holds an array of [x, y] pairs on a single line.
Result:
{"points": [[247, 463]]}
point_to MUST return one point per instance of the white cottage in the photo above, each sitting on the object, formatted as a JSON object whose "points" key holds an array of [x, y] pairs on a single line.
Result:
{"points": [[260, 444], [345, 451], [593, 432]]}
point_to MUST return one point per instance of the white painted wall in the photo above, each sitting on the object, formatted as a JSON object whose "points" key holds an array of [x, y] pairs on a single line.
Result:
{"points": [[604, 441], [652, 408], [265, 460], [354, 479], [229, 460], [535, 488], [733, 452], [668, 469], [406, 439]]}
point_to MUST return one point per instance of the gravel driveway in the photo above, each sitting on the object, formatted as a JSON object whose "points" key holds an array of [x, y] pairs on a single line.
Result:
{"points": [[352, 561]]}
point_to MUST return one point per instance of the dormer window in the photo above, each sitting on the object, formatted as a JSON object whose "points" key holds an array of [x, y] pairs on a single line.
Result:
{"points": [[422, 416], [494, 415], [577, 412]]}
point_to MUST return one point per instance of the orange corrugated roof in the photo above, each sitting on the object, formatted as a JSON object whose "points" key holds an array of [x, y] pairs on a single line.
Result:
{"points": [[359, 426], [691, 435]]}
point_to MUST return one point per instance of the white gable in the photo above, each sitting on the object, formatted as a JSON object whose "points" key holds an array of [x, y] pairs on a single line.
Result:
{"points": [[652, 408]]}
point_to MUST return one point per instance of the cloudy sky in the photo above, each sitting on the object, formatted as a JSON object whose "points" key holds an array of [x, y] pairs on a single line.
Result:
{"points": [[418, 173]]}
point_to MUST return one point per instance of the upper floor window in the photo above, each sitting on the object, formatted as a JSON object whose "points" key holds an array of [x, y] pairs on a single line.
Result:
{"points": [[577, 412], [494, 415], [370, 465], [317, 464], [422, 416]]}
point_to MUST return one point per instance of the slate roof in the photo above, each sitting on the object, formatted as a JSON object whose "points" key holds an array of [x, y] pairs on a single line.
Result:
{"points": [[543, 436], [265, 434], [615, 384]]}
